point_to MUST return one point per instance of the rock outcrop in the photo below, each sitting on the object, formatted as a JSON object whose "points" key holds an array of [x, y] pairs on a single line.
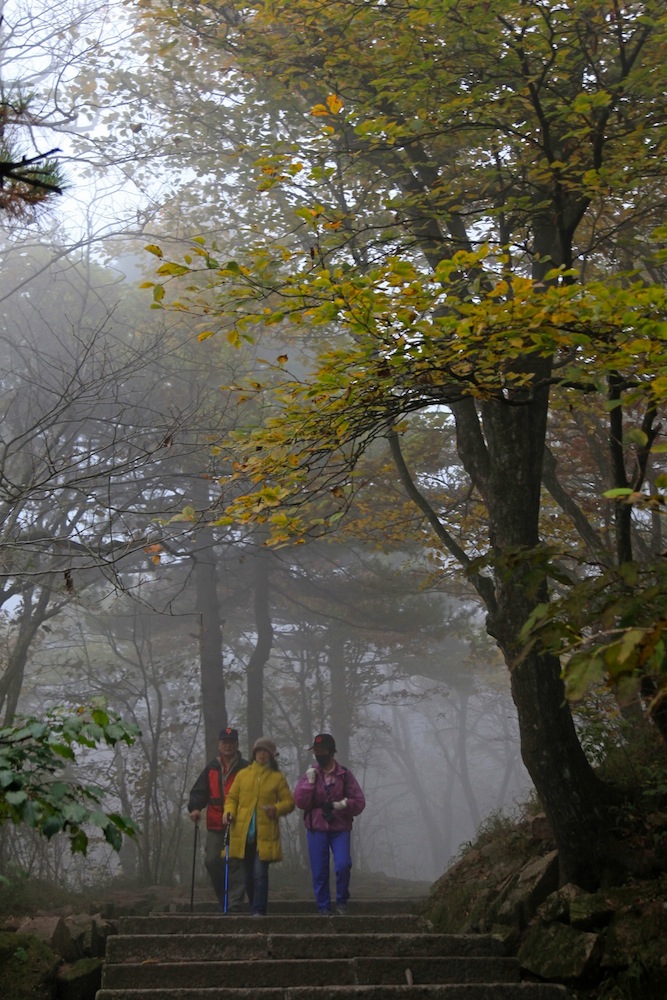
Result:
{"points": [[507, 885]]}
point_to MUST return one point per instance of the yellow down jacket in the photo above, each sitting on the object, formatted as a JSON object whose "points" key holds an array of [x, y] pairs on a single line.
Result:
{"points": [[254, 787]]}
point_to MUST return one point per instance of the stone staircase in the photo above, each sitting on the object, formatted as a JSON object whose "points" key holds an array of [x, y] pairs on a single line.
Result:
{"points": [[381, 950]]}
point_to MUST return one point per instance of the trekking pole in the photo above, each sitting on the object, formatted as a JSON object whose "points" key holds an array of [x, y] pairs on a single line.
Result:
{"points": [[194, 864], [226, 902]]}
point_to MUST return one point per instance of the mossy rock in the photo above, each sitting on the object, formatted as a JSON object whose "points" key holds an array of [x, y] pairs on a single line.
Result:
{"points": [[636, 936], [556, 952], [80, 981], [27, 967]]}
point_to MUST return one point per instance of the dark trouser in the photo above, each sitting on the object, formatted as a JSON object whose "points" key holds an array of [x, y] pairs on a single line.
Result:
{"points": [[215, 866], [256, 879], [319, 845]]}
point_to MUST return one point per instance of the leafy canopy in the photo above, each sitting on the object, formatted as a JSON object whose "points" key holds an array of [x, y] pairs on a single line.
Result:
{"points": [[479, 188], [406, 340]]}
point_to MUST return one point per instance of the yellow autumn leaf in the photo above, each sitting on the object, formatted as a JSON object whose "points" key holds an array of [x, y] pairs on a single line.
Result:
{"points": [[332, 107]]}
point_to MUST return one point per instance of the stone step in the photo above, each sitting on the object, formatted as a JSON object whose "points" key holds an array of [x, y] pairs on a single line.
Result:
{"points": [[381, 950], [458, 991], [249, 947], [316, 971], [217, 923], [355, 906]]}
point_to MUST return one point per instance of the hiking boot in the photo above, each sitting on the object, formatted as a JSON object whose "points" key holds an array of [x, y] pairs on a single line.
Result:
{"points": [[341, 910]]}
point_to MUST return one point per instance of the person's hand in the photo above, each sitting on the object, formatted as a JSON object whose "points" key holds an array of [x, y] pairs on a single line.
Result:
{"points": [[341, 804], [227, 819], [270, 811], [311, 774], [195, 814]]}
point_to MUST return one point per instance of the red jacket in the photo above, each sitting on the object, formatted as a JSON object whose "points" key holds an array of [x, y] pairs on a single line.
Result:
{"points": [[211, 787]]}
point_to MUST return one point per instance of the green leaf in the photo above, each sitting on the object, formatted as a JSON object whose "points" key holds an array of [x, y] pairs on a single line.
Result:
{"points": [[618, 492], [74, 812], [635, 435], [30, 813], [51, 826], [78, 842], [113, 837], [58, 790], [582, 675], [15, 798], [621, 652]]}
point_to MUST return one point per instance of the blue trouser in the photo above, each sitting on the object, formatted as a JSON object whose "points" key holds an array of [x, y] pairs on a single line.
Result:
{"points": [[319, 845], [256, 879]]}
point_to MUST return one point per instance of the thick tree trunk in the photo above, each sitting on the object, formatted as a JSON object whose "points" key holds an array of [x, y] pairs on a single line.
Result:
{"points": [[575, 800], [210, 643], [503, 454]]}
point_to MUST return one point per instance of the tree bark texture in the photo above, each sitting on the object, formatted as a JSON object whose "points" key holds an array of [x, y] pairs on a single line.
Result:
{"points": [[262, 650], [502, 448], [214, 704]]}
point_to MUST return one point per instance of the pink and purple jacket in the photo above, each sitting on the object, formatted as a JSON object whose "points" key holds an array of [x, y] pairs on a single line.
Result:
{"points": [[311, 798]]}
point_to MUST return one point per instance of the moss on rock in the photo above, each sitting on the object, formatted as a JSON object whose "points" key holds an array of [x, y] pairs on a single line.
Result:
{"points": [[28, 967]]}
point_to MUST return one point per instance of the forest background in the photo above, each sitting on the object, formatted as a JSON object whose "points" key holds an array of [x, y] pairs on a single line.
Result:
{"points": [[374, 419]]}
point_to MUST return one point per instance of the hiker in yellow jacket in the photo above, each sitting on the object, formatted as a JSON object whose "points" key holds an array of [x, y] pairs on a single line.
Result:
{"points": [[256, 800]]}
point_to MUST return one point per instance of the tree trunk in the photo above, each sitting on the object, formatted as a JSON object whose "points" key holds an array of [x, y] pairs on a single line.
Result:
{"points": [[210, 643], [462, 759], [575, 801], [31, 617], [262, 650], [341, 711], [503, 454]]}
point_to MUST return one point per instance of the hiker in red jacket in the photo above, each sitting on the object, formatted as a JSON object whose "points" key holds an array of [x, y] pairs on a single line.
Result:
{"points": [[209, 792], [330, 797]]}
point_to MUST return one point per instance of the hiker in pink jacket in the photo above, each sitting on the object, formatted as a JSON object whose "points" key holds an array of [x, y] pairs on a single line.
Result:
{"points": [[330, 797]]}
